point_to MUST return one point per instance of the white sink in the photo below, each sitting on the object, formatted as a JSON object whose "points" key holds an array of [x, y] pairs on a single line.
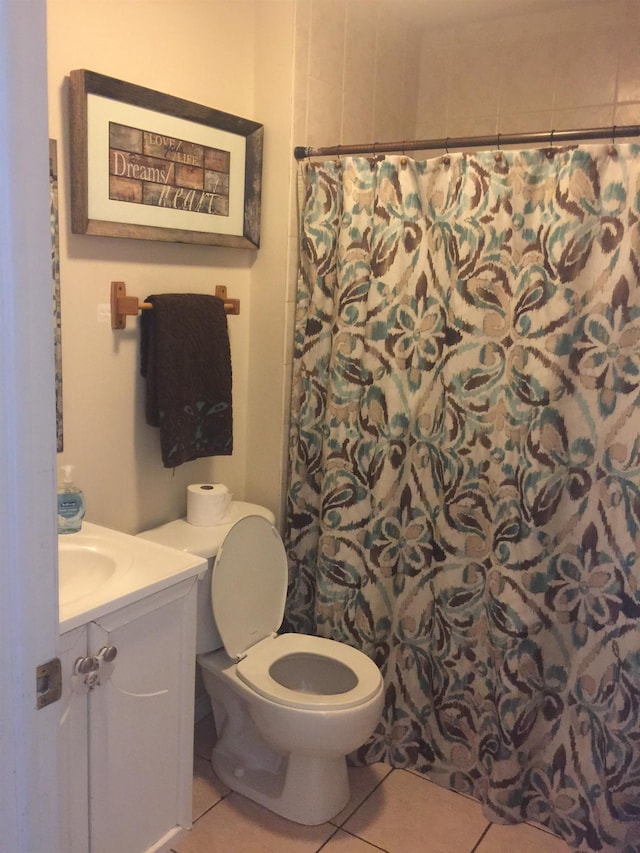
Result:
{"points": [[85, 563], [101, 569]]}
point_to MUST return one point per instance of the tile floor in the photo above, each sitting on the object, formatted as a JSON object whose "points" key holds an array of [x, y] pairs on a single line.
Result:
{"points": [[396, 811]]}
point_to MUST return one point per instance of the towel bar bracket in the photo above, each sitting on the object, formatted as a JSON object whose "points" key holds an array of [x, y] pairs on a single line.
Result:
{"points": [[123, 306], [231, 306]]}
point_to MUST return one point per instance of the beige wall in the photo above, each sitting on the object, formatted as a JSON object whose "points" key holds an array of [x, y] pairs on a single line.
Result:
{"points": [[274, 271], [214, 52]]}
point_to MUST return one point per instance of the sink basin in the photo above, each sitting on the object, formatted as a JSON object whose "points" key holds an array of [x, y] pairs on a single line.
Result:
{"points": [[101, 570], [85, 563]]}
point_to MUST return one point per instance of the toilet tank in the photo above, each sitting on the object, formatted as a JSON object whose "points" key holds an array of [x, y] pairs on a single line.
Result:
{"points": [[204, 542]]}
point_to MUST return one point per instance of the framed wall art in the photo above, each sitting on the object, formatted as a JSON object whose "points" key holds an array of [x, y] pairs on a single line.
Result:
{"points": [[151, 166]]}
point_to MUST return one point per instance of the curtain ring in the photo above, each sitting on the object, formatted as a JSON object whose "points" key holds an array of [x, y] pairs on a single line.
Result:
{"points": [[372, 162], [612, 148], [498, 156], [446, 159], [550, 151]]}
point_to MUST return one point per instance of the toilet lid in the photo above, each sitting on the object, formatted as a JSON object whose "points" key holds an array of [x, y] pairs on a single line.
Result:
{"points": [[249, 584]]}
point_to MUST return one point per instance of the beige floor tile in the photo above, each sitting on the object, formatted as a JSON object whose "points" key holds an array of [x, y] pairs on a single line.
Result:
{"points": [[207, 788], [237, 825], [342, 842], [362, 781], [523, 838], [440, 820]]}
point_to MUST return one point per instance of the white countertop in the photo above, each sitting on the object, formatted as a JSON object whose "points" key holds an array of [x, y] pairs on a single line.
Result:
{"points": [[102, 570]]}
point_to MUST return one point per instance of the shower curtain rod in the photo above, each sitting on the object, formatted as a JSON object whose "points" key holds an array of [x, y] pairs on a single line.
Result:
{"points": [[614, 133]]}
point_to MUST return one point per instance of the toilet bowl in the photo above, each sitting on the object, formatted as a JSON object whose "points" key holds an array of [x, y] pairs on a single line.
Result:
{"points": [[288, 708]]}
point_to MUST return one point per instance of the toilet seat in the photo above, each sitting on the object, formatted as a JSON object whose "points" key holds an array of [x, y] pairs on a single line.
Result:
{"points": [[249, 584], [248, 593], [257, 667]]}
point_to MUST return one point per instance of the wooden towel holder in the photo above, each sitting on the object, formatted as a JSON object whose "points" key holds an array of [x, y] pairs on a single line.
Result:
{"points": [[123, 306]]}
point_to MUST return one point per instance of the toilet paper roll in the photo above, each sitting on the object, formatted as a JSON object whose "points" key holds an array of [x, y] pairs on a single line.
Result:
{"points": [[207, 503]]}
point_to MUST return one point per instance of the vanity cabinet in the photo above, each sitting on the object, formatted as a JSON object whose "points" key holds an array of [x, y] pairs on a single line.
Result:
{"points": [[126, 745]]}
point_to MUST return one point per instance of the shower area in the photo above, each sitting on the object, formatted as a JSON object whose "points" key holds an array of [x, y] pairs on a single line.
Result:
{"points": [[464, 487]]}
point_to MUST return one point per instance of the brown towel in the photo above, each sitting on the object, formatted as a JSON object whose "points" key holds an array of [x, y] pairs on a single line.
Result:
{"points": [[186, 359]]}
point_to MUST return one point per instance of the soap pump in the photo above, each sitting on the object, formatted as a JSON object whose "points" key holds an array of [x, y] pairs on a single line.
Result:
{"points": [[70, 504]]}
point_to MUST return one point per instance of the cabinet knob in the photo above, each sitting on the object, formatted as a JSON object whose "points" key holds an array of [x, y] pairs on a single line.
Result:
{"points": [[107, 653], [106, 657], [85, 674], [85, 665]]}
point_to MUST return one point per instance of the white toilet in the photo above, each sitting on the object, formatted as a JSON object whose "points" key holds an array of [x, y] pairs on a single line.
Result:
{"points": [[288, 708]]}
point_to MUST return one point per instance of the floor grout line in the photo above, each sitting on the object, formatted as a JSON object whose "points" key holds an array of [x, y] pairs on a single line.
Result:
{"points": [[353, 835], [362, 802], [479, 841], [327, 840]]}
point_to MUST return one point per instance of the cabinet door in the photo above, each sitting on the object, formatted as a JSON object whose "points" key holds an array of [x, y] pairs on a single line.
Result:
{"points": [[73, 767], [141, 723]]}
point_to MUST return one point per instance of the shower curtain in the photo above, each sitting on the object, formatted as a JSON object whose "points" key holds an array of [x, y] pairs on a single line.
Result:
{"points": [[464, 498]]}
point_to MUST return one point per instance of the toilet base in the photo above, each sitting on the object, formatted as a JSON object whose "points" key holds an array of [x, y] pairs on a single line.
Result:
{"points": [[308, 789]]}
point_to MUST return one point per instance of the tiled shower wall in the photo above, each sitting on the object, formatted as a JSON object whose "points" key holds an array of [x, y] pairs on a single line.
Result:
{"points": [[380, 70], [357, 65], [567, 66]]}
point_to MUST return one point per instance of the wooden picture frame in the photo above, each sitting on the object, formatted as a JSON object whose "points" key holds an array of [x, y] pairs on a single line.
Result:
{"points": [[151, 166]]}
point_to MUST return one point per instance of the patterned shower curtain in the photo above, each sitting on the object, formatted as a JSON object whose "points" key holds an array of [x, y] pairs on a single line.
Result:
{"points": [[464, 500]]}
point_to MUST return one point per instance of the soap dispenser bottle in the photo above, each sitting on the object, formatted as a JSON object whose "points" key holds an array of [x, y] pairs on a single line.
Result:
{"points": [[70, 504]]}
